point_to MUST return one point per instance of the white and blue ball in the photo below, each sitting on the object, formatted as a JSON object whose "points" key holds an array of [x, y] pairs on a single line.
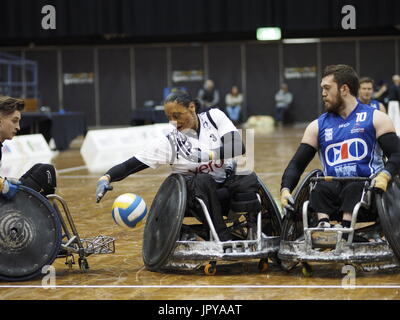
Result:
{"points": [[128, 210]]}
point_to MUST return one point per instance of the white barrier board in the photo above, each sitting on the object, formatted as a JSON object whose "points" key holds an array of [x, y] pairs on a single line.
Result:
{"points": [[105, 148]]}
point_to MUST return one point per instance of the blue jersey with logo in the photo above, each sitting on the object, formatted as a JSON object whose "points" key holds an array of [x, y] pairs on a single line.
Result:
{"points": [[372, 103], [348, 147]]}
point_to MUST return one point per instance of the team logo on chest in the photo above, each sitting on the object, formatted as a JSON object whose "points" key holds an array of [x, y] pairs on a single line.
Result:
{"points": [[328, 134], [349, 150]]}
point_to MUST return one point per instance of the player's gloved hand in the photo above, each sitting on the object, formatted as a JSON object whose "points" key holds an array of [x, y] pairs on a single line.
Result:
{"points": [[198, 155], [14, 180], [230, 169], [287, 200], [381, 181], [103, 185], [9, 189]]}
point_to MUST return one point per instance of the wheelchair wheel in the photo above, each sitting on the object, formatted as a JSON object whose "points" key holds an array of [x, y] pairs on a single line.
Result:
{"points": [[164, 222], [389, 214], [30, 235], [271, 216], [292, 225]]}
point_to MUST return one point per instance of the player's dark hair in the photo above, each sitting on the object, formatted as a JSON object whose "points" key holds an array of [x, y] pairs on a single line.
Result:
{"points": [[184, 99], [8, 105], [366, 80], [343, 74]]}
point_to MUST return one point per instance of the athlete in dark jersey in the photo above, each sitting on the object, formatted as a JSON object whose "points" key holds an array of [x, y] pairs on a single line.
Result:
{"points": [[348, 137]]}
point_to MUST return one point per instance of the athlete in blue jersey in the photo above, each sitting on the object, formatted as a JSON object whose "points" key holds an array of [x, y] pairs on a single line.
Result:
{"points": [[365, 93], [347, 147], [348, 137]]}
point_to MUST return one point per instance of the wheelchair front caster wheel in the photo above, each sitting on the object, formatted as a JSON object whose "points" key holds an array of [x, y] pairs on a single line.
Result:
{"points": [[263, 265], [307, 270], [210, 269], [83, 264]]}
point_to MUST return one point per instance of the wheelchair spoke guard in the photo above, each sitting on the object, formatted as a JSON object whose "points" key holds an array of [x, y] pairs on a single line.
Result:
{"points": [[164, 222], [30, 235], [272, 223], [388, 206]]}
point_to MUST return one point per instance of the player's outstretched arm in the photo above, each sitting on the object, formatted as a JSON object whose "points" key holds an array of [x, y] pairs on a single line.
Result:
{"points": [[117, 173], [303, 156]]}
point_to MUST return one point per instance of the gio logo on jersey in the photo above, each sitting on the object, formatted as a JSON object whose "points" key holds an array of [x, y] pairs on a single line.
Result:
{"points": [[349, 150]]}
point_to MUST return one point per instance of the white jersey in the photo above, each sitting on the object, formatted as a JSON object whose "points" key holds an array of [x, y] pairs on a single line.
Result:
{"points": [[175, 148]]}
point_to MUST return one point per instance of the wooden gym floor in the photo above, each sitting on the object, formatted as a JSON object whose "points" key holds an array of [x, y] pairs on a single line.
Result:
{"points": [[122, 275]]}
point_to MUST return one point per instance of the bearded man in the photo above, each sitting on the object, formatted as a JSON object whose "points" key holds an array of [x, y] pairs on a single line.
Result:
{"points": [[351, 139]]}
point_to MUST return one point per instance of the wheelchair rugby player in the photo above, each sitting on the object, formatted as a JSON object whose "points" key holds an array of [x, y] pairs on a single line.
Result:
{"points": [[33, 233], [351, 139], [200, 149]]}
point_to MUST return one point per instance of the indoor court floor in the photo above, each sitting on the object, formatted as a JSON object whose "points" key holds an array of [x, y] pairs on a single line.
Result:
{"points": [[122, 275]]}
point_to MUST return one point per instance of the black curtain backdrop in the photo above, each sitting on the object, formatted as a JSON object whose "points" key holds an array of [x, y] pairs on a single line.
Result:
{"points": [[98, 21]]}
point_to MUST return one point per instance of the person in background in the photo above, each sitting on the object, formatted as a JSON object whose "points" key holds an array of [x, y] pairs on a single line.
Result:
{"points": [[283, 99], [209, 95], [365, 93], [233, 101], [394, 89], [381, 93]]}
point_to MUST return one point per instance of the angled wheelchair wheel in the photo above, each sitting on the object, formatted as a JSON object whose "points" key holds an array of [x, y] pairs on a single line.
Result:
{"points": [[292, 225], [388, 206], [271, 216], [164, 222], [30, 235]]}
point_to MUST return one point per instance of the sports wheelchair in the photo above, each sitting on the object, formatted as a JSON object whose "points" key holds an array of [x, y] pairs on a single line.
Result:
{"points": [[368, 248], [34, 232], [170, 244]]}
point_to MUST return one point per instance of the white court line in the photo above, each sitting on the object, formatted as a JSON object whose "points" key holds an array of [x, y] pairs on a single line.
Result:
{"points": [[206, 287], [71, 169]]}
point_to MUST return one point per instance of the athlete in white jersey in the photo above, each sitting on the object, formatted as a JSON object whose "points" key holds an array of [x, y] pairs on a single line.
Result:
{"points": [[200, 145], [189, 151]]}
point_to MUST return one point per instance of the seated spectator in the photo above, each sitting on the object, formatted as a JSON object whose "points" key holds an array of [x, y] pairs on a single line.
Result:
{"points": [[233, 101], [209, 95]]}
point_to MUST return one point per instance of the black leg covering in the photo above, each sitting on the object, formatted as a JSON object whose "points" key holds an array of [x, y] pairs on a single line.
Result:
{"points": [[41, 178]]}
